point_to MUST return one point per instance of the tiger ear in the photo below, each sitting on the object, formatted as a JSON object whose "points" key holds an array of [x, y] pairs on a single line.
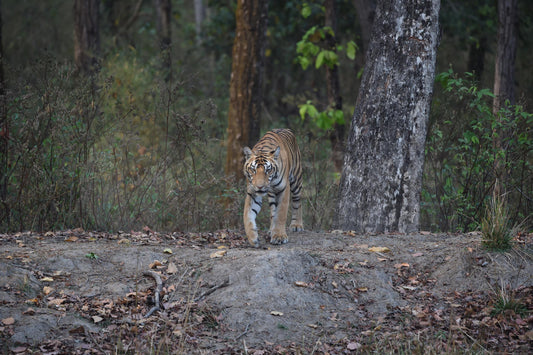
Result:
{"points": [[247, 152], [275, 153]]}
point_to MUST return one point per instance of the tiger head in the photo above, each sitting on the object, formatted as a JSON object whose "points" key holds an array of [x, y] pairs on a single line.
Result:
{"points": [[260, 168]]}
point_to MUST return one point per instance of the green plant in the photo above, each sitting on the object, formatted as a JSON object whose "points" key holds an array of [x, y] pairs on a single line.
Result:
{"points": [[497, 233], [506, 301], [461, 152], [91, 256], [314, 48]]}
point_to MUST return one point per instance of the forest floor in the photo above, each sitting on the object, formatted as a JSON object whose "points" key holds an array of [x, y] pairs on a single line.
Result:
{"points": [[85, 292]]}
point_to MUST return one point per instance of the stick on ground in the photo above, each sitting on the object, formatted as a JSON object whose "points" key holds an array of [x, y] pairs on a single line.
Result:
{"points": [[158, 289]]}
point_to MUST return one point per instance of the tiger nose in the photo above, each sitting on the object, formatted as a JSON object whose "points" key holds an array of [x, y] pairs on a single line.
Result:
{"points": [[261, 186]]}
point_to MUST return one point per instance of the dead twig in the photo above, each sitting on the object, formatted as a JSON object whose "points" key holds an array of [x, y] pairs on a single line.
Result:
{"points": [[158, 289], [211, 290], [243, 333]]}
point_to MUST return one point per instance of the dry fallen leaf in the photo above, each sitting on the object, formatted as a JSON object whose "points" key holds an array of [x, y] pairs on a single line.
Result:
{"points": [[97, 319], [71, 239], [301, 284], [8, 321], [362, 289], [276, 313], [218, 254], [55, 301], [47, 279], [47, 290], [353, 346], [29, 312], [124, 241], [399, 266], [172, 268], [167, 251], [379, 249], [155, 264]]}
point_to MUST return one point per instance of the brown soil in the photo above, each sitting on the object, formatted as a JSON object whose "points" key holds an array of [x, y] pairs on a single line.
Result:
{"points": [[82, 292]]}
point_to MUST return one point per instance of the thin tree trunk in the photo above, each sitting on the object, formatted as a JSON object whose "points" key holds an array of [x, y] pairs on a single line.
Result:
{"points": [[163, 10], [333, 87], [246, 82], [504, 78], [382, 176], [199, 17], [86, 35]]}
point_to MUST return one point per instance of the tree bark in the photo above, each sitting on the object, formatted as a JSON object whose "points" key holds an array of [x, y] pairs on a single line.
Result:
{"points": [[336, 137], [4, 137], [246, 82], [505, 54], [504, 79], [382, 175], [366, 10], [86, 35], [163, 11]]}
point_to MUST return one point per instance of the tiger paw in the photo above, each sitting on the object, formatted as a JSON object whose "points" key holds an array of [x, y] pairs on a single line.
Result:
{"points": [[295, 227], [253, 240], [279, 239]]}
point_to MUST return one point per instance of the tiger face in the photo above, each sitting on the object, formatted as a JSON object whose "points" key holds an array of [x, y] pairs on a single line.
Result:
{"points": [[260, 170]]}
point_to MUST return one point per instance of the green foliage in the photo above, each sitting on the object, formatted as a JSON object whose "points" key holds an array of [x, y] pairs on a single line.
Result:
{"points": [[309, 49], [91, 256], [506, 301], [323, 120], [461, 154], [313, 48]]}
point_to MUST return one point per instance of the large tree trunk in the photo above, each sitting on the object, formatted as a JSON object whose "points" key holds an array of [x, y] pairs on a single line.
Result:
{"points": [[86, 35], [382, 176], [333, 87], [246, 82], [504, 77], [4, 137], [163, 11]]}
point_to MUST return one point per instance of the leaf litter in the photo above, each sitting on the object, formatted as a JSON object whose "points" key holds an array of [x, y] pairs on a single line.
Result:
{"points": [[438, 293]]}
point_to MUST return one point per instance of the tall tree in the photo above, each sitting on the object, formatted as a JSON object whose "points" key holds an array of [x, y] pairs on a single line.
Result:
{"points": [[246, 81], [504, 75], [4, 134], [163, 11], [199, 17], [382, 175], [86, 35], [333, 87]]}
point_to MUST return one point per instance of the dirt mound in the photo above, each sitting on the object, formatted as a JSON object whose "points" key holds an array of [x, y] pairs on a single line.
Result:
{"points": [[77, 291]]}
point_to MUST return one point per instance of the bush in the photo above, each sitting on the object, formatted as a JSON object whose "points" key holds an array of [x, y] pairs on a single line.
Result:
{"points": [[461, 152]]}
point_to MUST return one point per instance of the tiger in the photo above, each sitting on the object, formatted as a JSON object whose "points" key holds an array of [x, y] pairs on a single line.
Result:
{"points": [[271, 168]]}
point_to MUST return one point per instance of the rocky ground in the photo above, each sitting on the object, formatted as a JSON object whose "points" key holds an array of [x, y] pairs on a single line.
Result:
{"points": [[139, 292]]}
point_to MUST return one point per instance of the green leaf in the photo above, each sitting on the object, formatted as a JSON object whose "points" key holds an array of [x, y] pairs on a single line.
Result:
{"points": [[306, 10], [320, 59], [351, 49]]}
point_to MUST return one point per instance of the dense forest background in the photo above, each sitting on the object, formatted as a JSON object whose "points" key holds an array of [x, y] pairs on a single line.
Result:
{"points": [[140, 140]]}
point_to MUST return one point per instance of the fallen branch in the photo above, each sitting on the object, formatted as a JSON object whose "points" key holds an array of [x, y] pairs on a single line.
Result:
{"points": [[211, 290], [158, 289], [243, 333]]}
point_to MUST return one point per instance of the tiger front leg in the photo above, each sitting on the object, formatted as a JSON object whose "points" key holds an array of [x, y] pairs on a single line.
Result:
{"points": [[252, 206], [278, 233]]}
